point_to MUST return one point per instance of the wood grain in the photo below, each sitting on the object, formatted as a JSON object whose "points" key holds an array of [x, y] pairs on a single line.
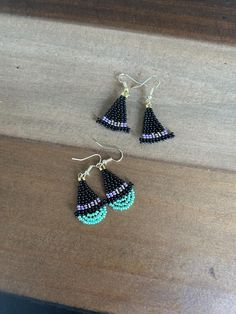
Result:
{"points": [[172, 252], [210, 20], [57, 77]]}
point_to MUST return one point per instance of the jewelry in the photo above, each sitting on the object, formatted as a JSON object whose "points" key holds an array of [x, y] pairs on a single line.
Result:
{"points": [[120, 195], [116, 117], [90, 209], [153, 130]]}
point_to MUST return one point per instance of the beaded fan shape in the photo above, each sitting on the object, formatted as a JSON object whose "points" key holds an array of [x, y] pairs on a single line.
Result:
{"points": [[90, 208], [116, 117], [120, 194], [153, 131]]}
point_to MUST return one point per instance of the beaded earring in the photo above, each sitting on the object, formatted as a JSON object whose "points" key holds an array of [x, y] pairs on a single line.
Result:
{"points": [[90, 209], [120, 195], [116, 117], [153, 130]]}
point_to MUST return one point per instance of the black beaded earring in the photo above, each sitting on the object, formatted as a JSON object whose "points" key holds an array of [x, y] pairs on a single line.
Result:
{"points": [[120, 194], [116, 117], [90, 209], [153, 130]]}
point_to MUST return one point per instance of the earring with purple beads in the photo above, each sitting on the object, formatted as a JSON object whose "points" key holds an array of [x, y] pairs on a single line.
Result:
{"points": [[115, 118], [153, 130], [120, 194], [91, 209]]}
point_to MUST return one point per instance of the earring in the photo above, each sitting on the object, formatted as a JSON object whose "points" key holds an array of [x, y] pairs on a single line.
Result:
{"points": [[153, 130], [90, 209], [116, 117], [119, 193]]}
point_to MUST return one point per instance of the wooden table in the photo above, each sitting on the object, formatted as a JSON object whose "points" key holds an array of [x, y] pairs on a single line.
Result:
{"points": [[174, 250]]}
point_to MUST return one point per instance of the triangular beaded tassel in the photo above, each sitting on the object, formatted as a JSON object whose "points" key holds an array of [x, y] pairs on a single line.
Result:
{"points": [[153, 131], [90, 208], [116, 117], [120, 194]]}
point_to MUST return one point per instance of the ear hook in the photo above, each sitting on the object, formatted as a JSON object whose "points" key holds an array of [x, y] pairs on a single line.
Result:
{"points": [[149, 97], [147, 80], [129, 77], [82, 175], [124, 83], [153, 88], [82, 159], [105, 161]]}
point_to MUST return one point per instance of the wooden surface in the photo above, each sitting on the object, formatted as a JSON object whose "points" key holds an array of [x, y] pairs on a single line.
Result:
{"points": [[172, 252], [211, 20], [56, 77]]}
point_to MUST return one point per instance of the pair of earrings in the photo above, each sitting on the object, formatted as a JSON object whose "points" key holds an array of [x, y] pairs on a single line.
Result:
{"points": [[116, 117], [120, 195]]}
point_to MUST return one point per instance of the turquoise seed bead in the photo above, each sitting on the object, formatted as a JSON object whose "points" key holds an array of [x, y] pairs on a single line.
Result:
{"points": [[94, 218], [125, 202]]}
